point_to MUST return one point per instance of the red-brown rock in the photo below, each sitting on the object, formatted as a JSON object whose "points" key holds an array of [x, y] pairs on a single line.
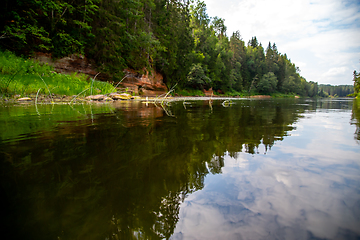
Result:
{"points": [[148, 84]]}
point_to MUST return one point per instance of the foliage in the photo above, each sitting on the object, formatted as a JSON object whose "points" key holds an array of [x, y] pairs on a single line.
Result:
{"points": [[176, 38], [355, 117], [197, 77], [356, 80], [20, 76], [189, 92], [267, 83], [61, 27], [11, 64], [339, 91]]}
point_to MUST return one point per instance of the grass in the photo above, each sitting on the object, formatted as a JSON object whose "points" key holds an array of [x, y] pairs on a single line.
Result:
{"points": [[233, 93], [283, 95], [19, 76], [188, 92]]}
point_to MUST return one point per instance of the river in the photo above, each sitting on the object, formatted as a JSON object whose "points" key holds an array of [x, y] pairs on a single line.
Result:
{"points": [[194, 169]]}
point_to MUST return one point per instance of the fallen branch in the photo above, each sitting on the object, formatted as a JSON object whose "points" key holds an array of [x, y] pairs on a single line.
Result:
{"points": [[172, 89], [227, 103]]}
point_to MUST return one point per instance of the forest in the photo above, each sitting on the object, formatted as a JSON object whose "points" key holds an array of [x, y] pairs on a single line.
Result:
{"points": [[327, 90], [176, 38]]}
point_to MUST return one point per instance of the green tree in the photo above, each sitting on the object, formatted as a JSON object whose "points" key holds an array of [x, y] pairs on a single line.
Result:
{"points": [[197, 78], [171, 26], [219, 27], [356, 80], [267, 83], [176, 38], [272, 58], [60, 27], [237, 47]]}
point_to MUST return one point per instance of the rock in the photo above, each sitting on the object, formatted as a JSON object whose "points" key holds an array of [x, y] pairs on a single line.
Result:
{"points": [[151, 93], [126, 96], [73, 63], [122, 96], [208, 93], [115, 96], [148, 84], [260, 96], [107, 99], [95, 97], [24, 99]]}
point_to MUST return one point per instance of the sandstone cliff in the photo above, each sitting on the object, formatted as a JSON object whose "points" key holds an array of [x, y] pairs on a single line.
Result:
{"points": [[147, 84]]}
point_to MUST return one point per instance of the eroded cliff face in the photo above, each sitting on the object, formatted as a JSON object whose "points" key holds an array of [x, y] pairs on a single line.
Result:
{"points": [[70, 64], [147, 84]]}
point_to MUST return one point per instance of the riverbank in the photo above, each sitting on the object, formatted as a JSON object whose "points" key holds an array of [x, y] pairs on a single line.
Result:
{"points": [[26, 80], [112, 97]]}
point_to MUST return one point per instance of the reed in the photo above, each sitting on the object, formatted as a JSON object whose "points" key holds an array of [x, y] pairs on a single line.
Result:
{"points": [[52, 100], [78, 95]]}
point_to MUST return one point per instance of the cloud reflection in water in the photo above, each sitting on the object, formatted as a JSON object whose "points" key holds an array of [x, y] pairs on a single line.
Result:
{"points": [[305, 187]]}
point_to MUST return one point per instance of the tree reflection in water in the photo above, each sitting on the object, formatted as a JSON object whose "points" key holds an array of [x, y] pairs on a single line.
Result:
{"points": [[124, 174], [356, 117]]}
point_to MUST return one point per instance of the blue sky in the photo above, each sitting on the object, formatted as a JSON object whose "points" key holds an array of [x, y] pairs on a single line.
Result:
{"points": [[322, 37]]}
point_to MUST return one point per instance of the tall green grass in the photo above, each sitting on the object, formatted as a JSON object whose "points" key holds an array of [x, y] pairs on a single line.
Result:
{"points": [[19, 76], [188, 92]]}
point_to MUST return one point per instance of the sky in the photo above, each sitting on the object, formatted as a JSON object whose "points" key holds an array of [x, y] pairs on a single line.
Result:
{"points": [[321, 37]]}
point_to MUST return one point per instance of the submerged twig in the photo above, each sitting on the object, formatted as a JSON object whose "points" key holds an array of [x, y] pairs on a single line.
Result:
{"points": [[184, 104], [227, 103], [210, 102], [167, 111], [210, 105]]}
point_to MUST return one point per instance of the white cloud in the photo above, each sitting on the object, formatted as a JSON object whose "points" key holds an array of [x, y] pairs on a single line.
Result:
{"points": [[316, 35], [336, 71]]}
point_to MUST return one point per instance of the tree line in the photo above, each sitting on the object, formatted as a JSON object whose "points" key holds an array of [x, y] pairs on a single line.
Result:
{"points": [[174, 37], [327, 90]]}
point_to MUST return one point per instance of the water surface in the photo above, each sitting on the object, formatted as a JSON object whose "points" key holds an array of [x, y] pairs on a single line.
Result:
{"points": [[250, 169]]}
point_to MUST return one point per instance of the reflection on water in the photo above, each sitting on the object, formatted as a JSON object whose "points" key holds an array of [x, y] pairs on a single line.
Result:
{"points": [[356, 118], [280, 169], [306, 187]]}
